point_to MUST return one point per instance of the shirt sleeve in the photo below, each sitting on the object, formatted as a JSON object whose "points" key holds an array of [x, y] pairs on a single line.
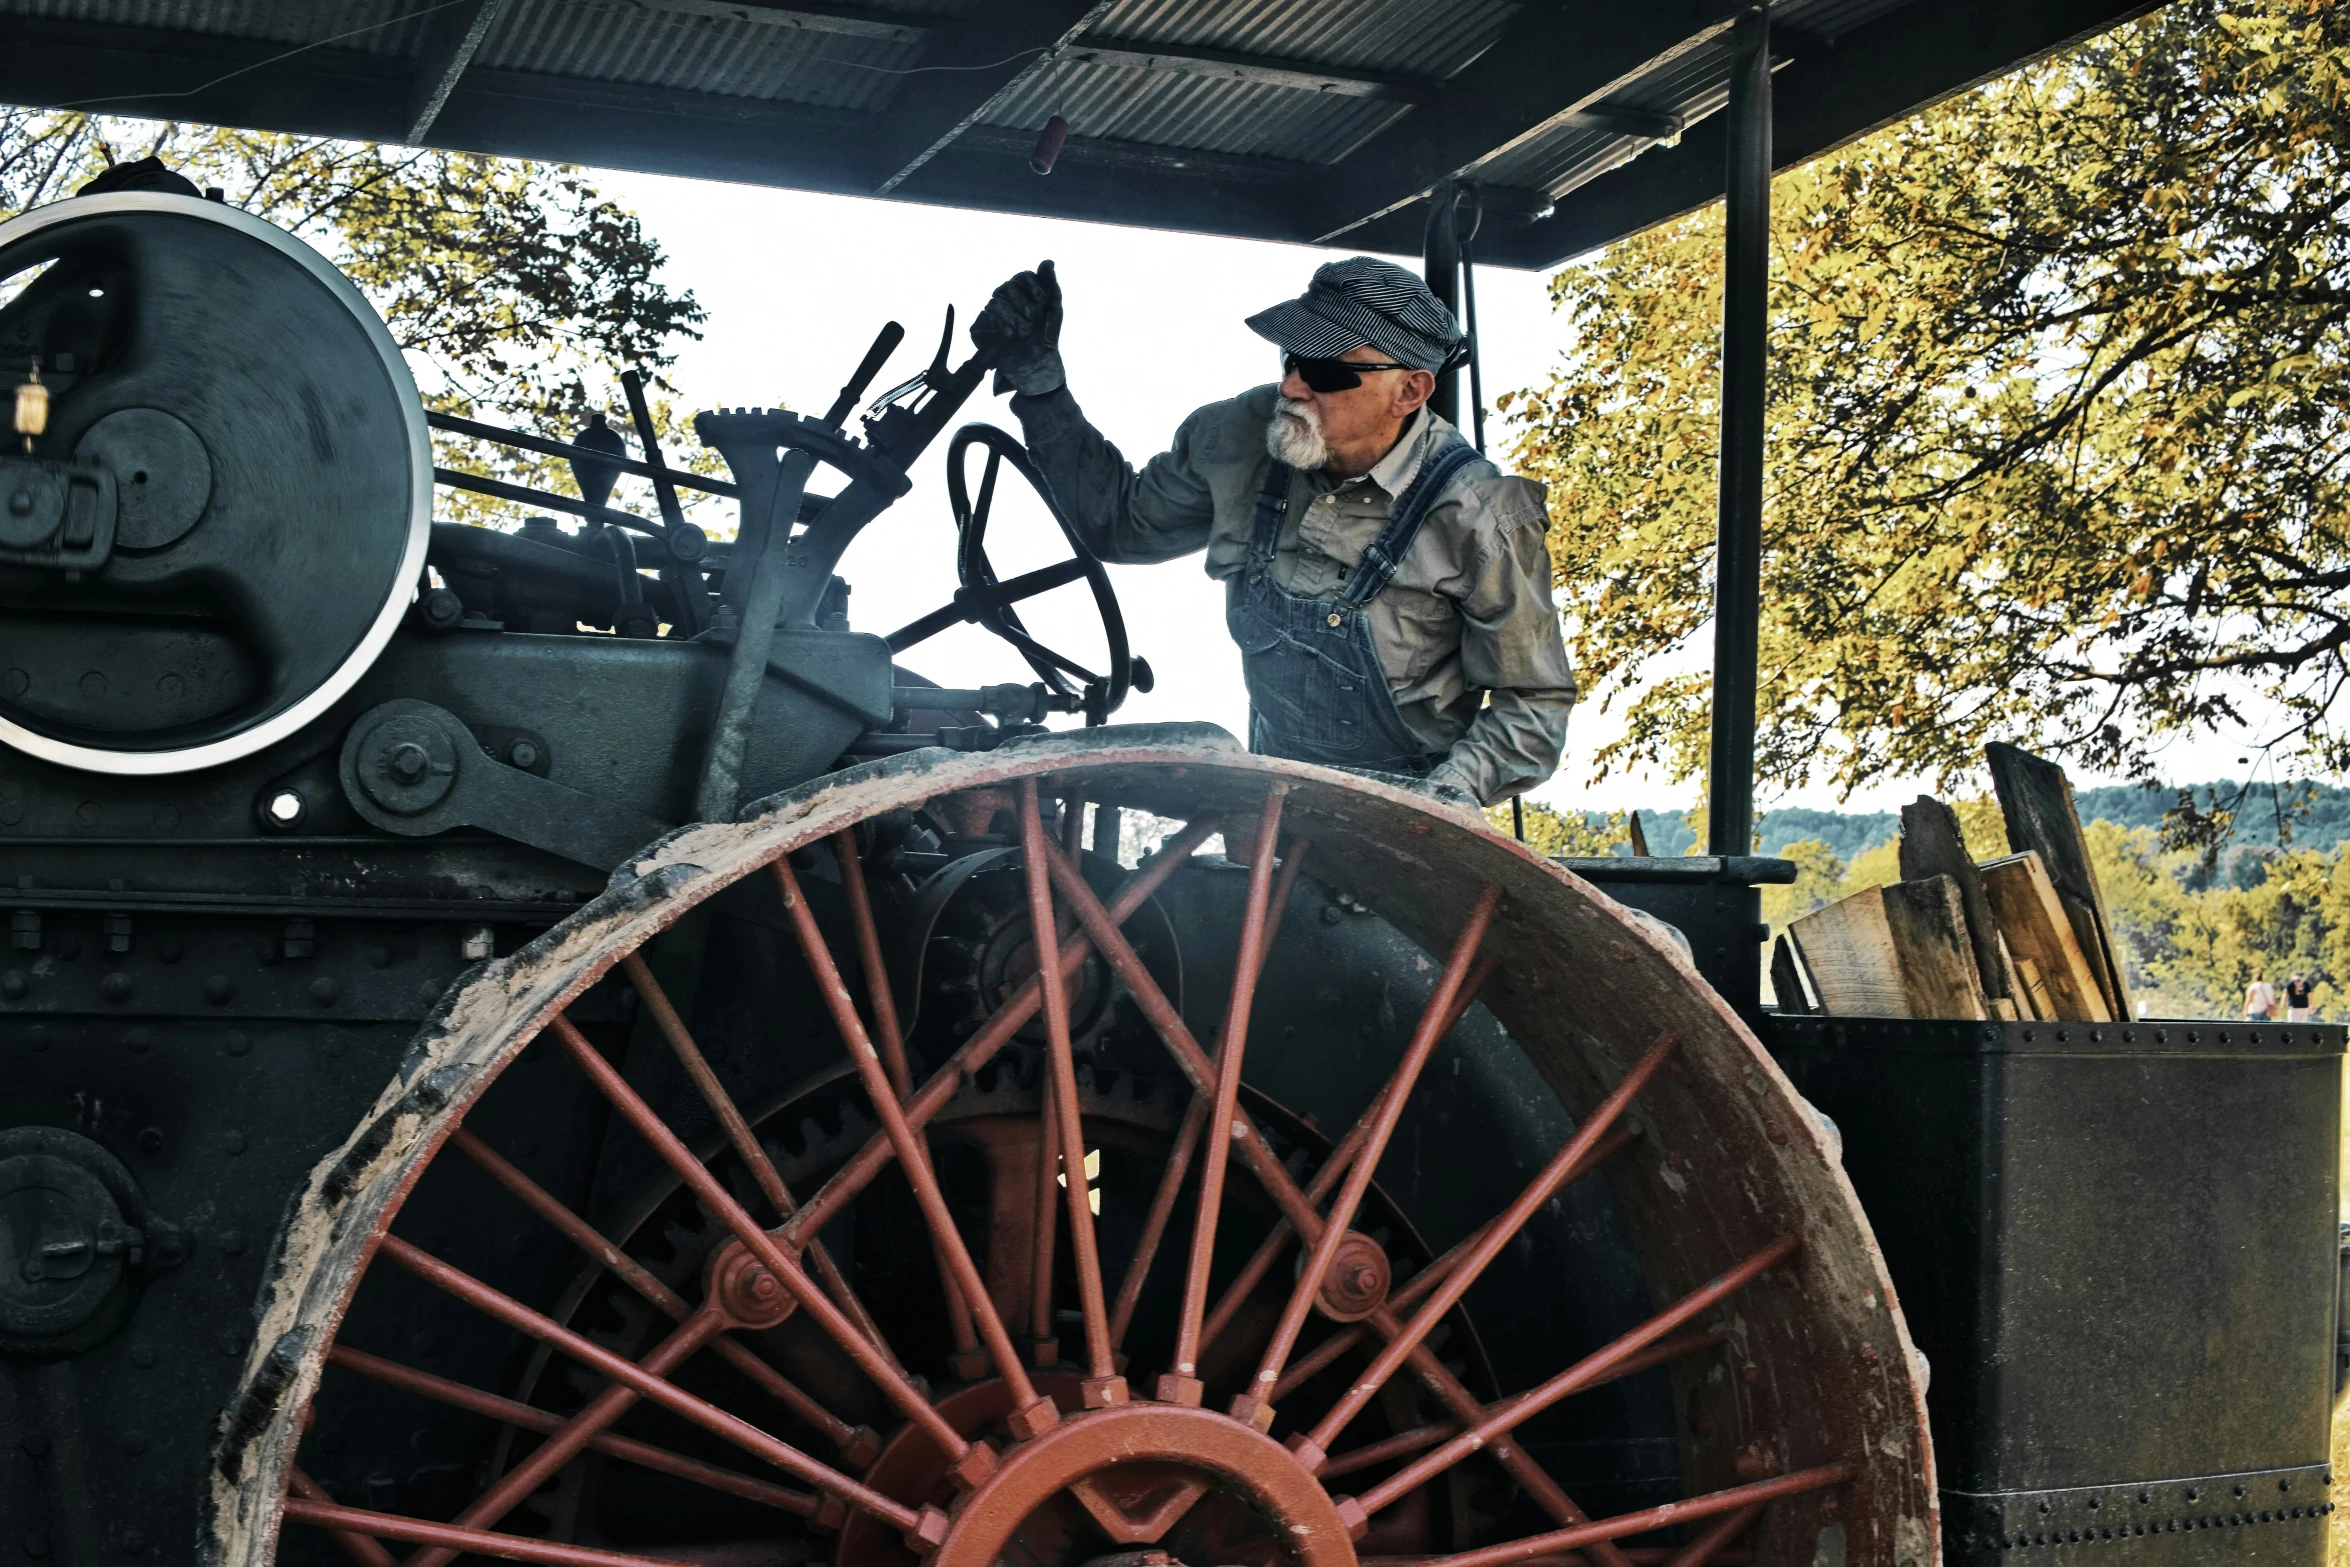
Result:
{"points": [[1159, 513], [1510, 646]]}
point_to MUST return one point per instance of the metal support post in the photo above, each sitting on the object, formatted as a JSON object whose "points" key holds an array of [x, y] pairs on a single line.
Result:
{"points": [[1441, 265], [1738, 535]]}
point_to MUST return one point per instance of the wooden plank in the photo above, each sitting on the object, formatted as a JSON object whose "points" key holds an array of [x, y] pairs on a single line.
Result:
{"points": [[1897, 951], [2037, 800], [1787, 987], [1932, 844], [2057, 976]]}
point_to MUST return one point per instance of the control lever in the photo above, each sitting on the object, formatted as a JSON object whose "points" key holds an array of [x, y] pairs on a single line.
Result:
{"points": [[884, 345]]}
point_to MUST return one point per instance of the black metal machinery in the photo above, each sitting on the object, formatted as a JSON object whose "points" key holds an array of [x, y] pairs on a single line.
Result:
{"points": [[413, 1142]]}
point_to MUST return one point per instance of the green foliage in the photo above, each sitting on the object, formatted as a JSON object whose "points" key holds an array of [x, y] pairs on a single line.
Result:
{"points": [[1819, 881], [2059, 420], [1584, 835], [516, 290]]}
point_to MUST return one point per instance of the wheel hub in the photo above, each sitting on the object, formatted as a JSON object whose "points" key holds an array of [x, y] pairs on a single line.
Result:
{"points": [[1196, 1483]]}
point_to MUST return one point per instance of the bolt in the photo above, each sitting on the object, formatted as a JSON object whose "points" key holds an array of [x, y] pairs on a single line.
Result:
{"points": [[407, 761], [523, 753], [21, 504]]}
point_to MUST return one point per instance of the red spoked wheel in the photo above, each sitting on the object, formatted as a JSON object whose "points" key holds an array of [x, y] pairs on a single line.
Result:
{"points": [[978, 1286]]}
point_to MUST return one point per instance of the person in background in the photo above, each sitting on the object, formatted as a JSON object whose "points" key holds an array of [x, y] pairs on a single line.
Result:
{"points": [[2297, 993], [2260, 999]]}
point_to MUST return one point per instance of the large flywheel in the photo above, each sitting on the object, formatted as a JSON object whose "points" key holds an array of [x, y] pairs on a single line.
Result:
{"points": [[1371, 1193]]}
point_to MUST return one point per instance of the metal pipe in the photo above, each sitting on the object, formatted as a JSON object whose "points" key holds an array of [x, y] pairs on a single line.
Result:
{"points": [[1746, 241]]}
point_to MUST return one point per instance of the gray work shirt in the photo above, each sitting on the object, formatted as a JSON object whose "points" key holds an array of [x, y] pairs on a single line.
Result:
{"points": [[1467, 631]]}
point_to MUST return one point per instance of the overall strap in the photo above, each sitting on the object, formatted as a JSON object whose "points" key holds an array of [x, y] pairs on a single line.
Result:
{"points": [[1272, 506], [1387, 551]]}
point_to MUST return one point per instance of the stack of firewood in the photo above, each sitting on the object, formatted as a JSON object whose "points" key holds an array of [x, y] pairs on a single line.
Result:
{"points": [[2023, 936]]}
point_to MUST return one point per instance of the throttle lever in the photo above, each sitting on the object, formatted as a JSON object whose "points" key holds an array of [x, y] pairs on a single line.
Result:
{"points": [[884, 345]]}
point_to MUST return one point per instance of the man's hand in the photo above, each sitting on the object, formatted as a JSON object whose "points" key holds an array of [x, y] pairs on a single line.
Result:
{"points": [[1021, 331]]}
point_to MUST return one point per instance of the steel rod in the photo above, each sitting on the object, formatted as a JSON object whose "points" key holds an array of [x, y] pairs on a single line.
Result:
{"points": [[1195, 1118], [629, 1374], [746, 1145], [771, 1254], [1605, 1530], [1524, 1406], [1044, 1224], [889, 1035], [473, 429], [1419, 1284], [562, 1446], [629, 1272], [912, 1154], [1282, 1188], [1447, 1294], [1154, 1224], [884, 1006], [452, 1539], [1703, 1550], [1333, 1169], [1421, 1438], [1061, 1065], [528, 1417], [1229, 1061], [975, 1052], [361, 1548], [1434, 1020]]}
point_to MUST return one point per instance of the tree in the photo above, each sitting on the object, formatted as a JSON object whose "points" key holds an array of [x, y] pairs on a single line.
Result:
{"points": [[2059, 421], [516, 290]]}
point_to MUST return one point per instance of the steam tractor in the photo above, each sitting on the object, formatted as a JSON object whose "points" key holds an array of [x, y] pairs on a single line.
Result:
{"points": [[559, 1046]]}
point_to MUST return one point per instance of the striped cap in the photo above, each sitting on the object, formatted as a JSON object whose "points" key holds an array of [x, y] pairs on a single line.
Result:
{"points": [[1363, 301]]}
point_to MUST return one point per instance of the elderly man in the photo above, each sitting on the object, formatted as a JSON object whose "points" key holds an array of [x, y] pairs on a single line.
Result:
{"points": [[1388, 587]]}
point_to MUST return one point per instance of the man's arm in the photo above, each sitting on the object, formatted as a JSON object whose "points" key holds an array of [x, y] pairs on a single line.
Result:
{"points": [[1159, 513], [1510, 645]]}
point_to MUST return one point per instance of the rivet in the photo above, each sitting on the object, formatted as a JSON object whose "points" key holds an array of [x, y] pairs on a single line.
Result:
{"points": [[233, 1143]]}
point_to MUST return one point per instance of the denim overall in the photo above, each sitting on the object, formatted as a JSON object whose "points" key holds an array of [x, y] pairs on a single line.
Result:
{"points": [[1316, 692]]}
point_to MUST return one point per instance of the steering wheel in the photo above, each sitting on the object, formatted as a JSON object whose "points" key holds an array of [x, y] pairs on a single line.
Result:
{"points": [[986, 600]]}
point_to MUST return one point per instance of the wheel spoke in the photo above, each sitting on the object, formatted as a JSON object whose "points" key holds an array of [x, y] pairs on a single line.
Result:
{"points": [[364, 1549], [914, 1159], [449, 1540], [1710, 1544], [1154, 1224], [853, 1177], [529, 1417], [1515, 1411], [1043, 1226], [1333, 1169], [1416, 1288], [1103, 1385], [746, 1145], [1435, 1020], [770, 1254], [576, 1433], [1282, 1188], [1606, 1530], [858, 1441], [648, 1385], [1421, 1438], [891, 1039], [1448, 1292], [1182, 1384]]}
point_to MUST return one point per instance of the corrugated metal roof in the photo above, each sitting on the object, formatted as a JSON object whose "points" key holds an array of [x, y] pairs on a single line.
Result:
{"points": [[1432, 38], [1215, 114], [391, 27], [655, 46]]}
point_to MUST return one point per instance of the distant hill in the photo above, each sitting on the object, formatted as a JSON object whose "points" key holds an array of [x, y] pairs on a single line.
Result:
{"points": [[2317, 816]]}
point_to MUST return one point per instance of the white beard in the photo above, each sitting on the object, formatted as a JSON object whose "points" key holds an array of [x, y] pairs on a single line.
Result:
{"points": [[1295, 436]]}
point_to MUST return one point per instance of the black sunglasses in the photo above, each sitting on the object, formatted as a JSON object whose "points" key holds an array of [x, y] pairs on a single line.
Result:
{"points": [[1334, 375]]}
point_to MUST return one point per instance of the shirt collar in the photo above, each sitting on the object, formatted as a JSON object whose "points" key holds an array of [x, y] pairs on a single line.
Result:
{"points": [[1394, 472]]}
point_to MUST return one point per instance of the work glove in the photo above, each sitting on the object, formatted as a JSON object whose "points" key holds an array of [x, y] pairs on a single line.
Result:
{"points": [[1021, 330]]}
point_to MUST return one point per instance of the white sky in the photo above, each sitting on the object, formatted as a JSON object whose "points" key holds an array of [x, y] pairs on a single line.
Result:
{"points": [[796, 285]]}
